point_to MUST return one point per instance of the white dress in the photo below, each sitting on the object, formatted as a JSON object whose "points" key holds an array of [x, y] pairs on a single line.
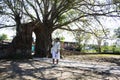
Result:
{"points": [[55, 50]]}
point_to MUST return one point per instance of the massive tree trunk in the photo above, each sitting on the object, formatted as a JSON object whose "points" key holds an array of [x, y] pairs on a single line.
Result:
{"points": [[43, 41], [21, 44]]}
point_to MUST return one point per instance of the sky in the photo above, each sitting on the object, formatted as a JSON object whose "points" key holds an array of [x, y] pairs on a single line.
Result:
{"points": [[9, 32]]}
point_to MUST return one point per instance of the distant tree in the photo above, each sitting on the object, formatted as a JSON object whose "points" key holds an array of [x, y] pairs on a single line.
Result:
{"points": [[100, 35], [82, 38], [3, 37], [117, 32]]}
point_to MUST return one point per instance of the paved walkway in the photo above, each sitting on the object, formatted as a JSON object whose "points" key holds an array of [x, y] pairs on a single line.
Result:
{"points": [[85, 66]]}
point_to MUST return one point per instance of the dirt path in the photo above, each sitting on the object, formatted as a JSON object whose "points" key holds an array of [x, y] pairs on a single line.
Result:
{"points": [[42, 69]]}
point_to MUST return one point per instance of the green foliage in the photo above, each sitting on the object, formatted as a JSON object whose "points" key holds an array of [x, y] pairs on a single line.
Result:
{"points": [[104, 49], [62, 19], [117, 49], [113, 49], [3, 37], [67, 16], [62, 39]]}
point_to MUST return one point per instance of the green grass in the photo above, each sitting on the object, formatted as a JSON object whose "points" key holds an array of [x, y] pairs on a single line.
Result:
{"points": [[104, 49], [92, 57], [103, 55]]}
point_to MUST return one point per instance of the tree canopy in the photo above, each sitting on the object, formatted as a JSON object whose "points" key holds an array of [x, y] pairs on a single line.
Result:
{"points": [[59, 13], [44, 16]]}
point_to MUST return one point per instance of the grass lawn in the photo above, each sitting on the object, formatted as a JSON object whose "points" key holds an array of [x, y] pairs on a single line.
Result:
{"points": [[95, 56], [102, 59]]}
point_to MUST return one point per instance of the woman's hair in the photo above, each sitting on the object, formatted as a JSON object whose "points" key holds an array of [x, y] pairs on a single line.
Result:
{"points": [[58, 39]]}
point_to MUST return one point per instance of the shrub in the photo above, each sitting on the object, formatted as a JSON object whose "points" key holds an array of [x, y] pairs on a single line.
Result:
{"points": [[3, 37]]}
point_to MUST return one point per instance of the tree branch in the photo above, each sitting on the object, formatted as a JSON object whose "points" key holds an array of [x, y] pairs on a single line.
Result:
{"points": [[75, 30], [34, 9], [6, 26]]}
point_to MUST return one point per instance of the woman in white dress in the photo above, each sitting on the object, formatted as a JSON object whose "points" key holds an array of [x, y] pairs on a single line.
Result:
{"points": [[55, 50]]}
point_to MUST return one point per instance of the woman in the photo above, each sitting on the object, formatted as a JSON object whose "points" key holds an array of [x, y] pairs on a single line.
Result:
{"points": [[55, 50]]}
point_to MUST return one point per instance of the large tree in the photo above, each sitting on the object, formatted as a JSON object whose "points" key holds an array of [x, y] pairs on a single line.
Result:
{"points": [[21, 44], [45, 16]]}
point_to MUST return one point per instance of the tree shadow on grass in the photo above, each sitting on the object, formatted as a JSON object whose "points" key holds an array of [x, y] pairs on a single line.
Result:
{"points": [[111, 60], [12, 70]]}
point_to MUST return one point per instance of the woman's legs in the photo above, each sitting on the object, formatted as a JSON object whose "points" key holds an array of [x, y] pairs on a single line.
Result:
{"points": [[57, 61], [53, 57], [53, 61], [57, 57]]}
